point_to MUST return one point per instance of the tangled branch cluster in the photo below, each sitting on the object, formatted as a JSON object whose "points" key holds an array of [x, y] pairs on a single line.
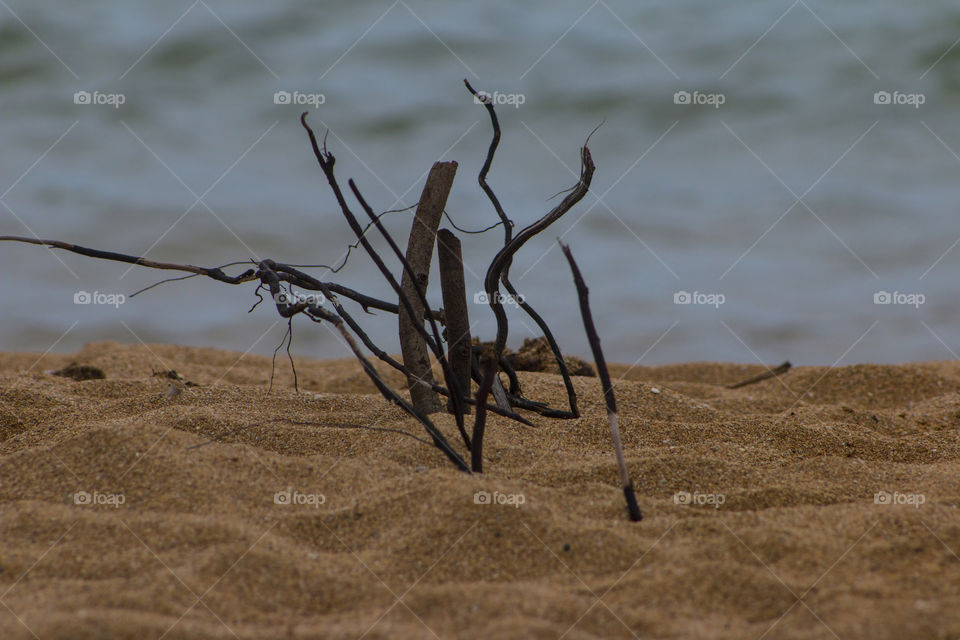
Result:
{"points": [[485, 363]]}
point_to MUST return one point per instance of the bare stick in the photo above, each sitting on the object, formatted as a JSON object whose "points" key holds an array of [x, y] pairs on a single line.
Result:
{"points": [[482, 178], [455, 312], [419, 255], [271, 280], [505, 255], [214, 273], [770, 373], [583, 293], [307, 282], [505, 276], [476, 451], [456, 395], [326, 160], [284, 273]]}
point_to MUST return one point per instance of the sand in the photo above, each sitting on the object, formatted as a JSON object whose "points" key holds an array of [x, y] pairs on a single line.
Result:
{"points": [[130, 510]]}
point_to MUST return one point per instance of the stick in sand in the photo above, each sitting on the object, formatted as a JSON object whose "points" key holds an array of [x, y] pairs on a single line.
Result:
{"points": [[499, 269], [769, 373], [582, 293], [476, 451], [456, 316], [423, 235]]}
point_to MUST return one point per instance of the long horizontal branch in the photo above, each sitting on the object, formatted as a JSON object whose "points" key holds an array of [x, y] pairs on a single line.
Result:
{"points": [[215, 273], [303, 280]]}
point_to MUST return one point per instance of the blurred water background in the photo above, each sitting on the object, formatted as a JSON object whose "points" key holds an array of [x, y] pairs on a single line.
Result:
{"points": [[798, 199]]}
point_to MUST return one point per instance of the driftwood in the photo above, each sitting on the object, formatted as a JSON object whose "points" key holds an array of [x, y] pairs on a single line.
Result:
{"points": [[455, 313], [423, 232], [267, 271], [455, 394], [326, 160]]}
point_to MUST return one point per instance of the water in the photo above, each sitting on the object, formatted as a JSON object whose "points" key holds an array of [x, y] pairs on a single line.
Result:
{"points": [[797, 199]]}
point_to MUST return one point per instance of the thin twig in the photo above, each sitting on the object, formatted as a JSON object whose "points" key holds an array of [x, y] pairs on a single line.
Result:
{"points": [[583, 294], [505, 255], [365, 301], [479, 425], [770, 373], [505, 275], [214, 273], [317, 313]]}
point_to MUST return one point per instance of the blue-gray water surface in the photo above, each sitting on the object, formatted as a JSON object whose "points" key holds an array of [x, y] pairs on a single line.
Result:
{"points": [[789, 169]]}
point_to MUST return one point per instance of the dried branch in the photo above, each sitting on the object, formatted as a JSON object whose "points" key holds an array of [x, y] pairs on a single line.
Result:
{"points": [[216, 273], [326, 160], [488, 161], [419, 255], [456, 316], [770, 373], [583, 294], [505, 255], [505, 275], [271, 280], [456, 394], [479, 425]]}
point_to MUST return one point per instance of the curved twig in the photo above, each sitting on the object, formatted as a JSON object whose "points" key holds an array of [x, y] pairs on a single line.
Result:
{"points": [[505, 275], [505, 255]]}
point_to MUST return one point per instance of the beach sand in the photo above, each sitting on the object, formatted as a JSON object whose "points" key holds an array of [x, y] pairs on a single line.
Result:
{"points": [[179, 534]]}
